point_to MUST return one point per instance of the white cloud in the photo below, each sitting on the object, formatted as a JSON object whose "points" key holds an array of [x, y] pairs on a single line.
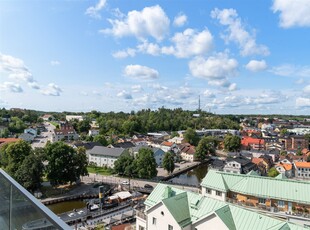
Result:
{"points": [[302, 102], [232, 87], [11, 87], [140, 72], [158, 87], [306, 90], [15, 67], [129, 52], [125, 95], [190, 43], [136, 88], [180, 20], [293, 13], [93, 11], [256, 66], [151, 21], [291, 70], [207, 93], [149, 48], [34, 85], [238, 34], [216, 68], [52, 90], [54, 63]]}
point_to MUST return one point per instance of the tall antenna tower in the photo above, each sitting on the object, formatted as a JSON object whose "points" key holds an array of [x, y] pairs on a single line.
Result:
{"points": [[199, 104]]}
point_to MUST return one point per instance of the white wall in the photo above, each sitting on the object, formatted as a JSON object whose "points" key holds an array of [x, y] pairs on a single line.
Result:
{"points": [[162, 221], [213, 194], [210, 223]]}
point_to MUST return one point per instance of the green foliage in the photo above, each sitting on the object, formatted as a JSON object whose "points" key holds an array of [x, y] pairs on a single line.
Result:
{"points": [[16, 153], [299, 152], [16, 125], [206, 146], [191, 136], [232, 143], [283, 153], [273, 172], [168, 162], [21, 162], [308, 158], [101, 139], [65, 164], [145, 164], [30, 172], [4, 133], [124, 165]]}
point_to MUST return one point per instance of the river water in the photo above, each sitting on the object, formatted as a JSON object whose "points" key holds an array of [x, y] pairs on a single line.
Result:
{"points": [[192, 177]]}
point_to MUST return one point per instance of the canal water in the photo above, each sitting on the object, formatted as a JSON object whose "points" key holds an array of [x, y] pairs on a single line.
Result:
{"points": [[66, 206], [192, 177]]}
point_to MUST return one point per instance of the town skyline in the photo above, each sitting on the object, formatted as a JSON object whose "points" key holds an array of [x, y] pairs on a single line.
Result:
{"points": [[104, 55]]}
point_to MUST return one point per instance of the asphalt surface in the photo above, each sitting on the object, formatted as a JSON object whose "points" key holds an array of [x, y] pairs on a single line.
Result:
{"points": [[41, 140]]}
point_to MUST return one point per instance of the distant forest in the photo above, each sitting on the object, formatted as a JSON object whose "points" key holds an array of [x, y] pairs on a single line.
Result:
{"points": [[143, 121]]}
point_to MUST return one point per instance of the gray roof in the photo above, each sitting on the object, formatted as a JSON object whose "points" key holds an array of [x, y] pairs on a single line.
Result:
{"points": [[156, 151], [105, 151]]}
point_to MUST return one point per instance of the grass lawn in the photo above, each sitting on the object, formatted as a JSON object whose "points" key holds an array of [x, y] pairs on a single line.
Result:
{"points": [[99, 170], [54, 123]]}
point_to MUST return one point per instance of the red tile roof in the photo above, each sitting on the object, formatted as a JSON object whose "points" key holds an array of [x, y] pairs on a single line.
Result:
{"points": [[167, 143], [8, 140], [285, 166], [302, 164], [245, 141]]}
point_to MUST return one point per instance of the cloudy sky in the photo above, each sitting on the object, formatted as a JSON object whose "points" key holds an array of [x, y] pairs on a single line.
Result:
{"points": [[240, 56]]}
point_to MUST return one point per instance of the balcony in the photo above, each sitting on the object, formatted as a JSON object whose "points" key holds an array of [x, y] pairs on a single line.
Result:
{"points": [[20, 210], [141, 215]]}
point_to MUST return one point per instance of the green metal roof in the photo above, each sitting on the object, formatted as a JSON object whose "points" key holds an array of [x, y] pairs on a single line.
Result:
{"points": [[226, 216], [179, 208], [265, 187], [189, 207], [281, 176], [253, 173]]}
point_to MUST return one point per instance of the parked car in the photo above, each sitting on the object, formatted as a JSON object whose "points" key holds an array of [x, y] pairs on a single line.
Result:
{"points": [[125, 182]]}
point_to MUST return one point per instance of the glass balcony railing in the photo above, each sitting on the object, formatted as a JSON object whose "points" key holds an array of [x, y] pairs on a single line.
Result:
{"points": [[19, 210]]}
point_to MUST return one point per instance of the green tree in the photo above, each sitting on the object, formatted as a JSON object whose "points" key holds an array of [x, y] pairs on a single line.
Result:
{"points": [[16, 153], [19, 160], [101, 139], [308, 158], [232, 143], [283, 153], [83, 126], [145, 164], [206, 146], [65, 164], [191, 136], [273, 172], [168, 162], [16, 125], [124, 165], [30, 173], [283, 132]]}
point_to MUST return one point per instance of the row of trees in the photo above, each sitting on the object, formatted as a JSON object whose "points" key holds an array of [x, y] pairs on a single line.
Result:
{"points": [[143, 165], [64, 163], [207, 145]]}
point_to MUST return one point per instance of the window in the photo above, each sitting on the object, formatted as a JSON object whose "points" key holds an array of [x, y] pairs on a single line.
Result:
{"points": [[170, 227], [218, 193], [281, 203], [141, 228], [208, 191], [154, 221], [261, 200]]}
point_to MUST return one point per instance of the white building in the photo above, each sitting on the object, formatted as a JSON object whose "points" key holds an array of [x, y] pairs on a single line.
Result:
{"points": [[93, 132], [169, 208], [74, 117], [104, 156]]}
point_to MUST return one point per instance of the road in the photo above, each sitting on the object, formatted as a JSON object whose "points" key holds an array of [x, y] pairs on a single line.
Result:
{"points": [[40, 140]]}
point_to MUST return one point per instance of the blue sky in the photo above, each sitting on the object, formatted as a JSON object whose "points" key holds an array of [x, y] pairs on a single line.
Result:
{"points": [[240, 56]]}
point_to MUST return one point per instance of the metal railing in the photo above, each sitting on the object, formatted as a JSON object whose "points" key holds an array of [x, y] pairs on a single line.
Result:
{"points": [[24, 211]]}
